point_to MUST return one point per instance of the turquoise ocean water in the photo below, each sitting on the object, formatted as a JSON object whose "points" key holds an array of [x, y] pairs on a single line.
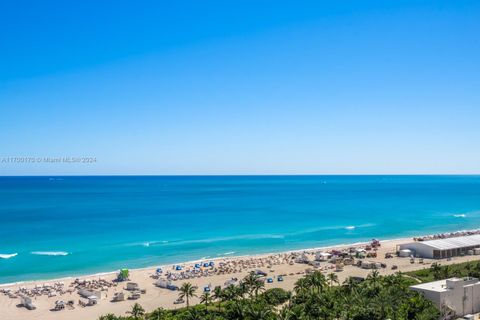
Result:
{"points": [[63, 226]]}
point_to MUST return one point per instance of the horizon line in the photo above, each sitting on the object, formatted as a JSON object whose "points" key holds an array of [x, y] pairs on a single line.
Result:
{"points": [[244, 175]]}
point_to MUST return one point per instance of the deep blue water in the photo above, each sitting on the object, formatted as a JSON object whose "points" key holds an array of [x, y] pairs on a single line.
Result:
{"points": [[105, 223]]}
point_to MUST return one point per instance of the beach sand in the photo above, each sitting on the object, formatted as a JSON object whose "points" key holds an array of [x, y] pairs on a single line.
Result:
{"points": [[156, 297]]}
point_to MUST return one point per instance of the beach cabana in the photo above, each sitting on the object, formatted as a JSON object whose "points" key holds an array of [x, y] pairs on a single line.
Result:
{"points": [[302, 258], [92, 300], [118, 296], [322, 256], [368, 265], [27, 303], [162, 283], [88, 294], [132, 286]]}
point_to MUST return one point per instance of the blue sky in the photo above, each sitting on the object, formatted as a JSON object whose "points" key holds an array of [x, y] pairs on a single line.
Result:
{"points": [[241, 87]]}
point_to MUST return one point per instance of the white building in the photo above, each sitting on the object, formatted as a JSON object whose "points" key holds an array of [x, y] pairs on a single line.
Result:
{"points": [[444, 248], [459, 296]]}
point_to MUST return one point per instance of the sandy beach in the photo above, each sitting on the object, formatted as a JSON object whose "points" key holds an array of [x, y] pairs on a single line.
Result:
{"points": [[286, 264]]}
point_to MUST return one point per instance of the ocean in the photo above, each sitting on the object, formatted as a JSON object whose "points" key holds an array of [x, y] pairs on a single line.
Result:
{"points": [[68, 226]]}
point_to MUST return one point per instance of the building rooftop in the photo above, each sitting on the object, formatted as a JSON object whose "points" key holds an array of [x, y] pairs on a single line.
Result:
{"points": [[453, 243], [445, 285], [438, 286]]}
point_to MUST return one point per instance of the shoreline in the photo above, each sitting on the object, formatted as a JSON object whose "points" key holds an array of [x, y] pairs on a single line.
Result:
{"points": [[244, 256], [229, 257]]}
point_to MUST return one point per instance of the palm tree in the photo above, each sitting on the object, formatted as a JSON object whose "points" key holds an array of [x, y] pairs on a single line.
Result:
{"points": [[332, 278], [251, 283], [231, 293], [350, 284], [187, 291], [317, 280], [206, 298], [374, 278], [137, 311], [302, 285], [237, 310], [218, 295], [258, 311], [291, 313], [446, 272], [157, 314], [194, 314], [258, 286], [436, 270], [469, 269]]}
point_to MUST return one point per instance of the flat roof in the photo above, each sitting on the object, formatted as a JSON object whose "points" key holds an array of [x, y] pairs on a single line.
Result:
{"points": [[453, 243], [437, 286], [441, 285]]}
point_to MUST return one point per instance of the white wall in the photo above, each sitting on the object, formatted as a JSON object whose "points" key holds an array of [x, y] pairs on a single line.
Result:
{"points": [[419, 249]]}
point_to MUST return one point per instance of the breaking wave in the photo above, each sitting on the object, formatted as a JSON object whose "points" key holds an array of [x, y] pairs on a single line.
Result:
{"points": [[8, 256], [50, 253]]}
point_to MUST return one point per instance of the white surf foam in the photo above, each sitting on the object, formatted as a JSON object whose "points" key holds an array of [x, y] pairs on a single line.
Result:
{"points": [[50, 253], [462, 215], [8, 256], [350, 227]]}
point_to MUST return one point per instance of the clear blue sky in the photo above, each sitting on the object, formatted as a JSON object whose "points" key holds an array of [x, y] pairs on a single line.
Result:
{"points": [[241, 87]]}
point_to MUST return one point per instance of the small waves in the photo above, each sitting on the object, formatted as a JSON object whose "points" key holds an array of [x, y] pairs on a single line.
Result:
{"points": [[208, 240], [461, 215], [330, 228], [152, 243], [8, 256], [50, 253]]}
